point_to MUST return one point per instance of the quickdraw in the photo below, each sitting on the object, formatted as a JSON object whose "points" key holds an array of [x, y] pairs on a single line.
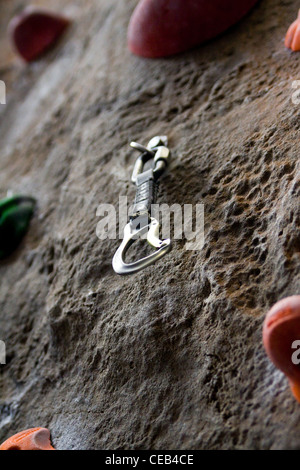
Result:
{"points": [[141, 222]]}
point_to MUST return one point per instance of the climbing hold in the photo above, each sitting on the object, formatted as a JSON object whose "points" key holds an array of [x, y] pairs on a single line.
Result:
{"points": [[35, 30], [32, 439], [159, 28], [292, 39], [15, 215], [281, 337]]}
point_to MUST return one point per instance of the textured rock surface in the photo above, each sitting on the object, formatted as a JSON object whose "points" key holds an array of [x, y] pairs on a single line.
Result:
{"points": [[172, 357]]}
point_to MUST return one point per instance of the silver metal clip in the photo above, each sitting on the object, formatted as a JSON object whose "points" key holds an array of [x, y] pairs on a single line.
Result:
{"points": [[141, 222]]}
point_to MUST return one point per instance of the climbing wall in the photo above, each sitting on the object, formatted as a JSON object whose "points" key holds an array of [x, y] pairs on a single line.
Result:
{"points": [[171, 357]]}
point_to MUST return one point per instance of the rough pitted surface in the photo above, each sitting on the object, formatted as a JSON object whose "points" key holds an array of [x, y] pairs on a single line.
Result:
{"points": [[171, 357]]}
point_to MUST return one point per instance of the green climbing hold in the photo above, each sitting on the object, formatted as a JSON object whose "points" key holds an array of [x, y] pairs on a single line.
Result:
{"points": [[15, 215]]}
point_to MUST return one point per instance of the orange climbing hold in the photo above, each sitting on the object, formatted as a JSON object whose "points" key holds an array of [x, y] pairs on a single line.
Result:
{"points": [[32, 439], [292, 39], [281, 337]]}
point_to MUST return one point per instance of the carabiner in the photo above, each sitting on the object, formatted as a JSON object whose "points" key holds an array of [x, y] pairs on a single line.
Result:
{"points": [[141, 222], [131, 234]]}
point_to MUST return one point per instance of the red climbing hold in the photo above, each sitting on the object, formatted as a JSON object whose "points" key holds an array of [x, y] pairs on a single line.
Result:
{"points": [[281, 336], [35, 30], [159, 28]]}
